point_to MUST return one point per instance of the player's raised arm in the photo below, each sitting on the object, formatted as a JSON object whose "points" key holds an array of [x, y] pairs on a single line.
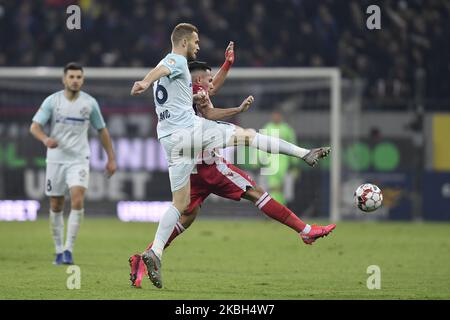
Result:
{"points": [[209, 112], [154, 75], [221, 75], [203, 84]]}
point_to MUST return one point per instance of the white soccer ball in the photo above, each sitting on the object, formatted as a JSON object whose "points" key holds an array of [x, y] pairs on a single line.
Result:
{"points": [[368, 197]]}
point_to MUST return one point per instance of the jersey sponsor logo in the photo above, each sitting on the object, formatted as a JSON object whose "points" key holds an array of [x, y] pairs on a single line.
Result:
{"points": [[75, 119], [70, 120]]}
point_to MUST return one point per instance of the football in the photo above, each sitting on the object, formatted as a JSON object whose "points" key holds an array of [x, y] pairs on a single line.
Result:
{"points": [[368, 197]]}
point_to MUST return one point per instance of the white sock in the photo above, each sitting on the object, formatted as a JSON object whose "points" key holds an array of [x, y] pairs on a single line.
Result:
{"points": [[180, 227], [57, 227], [165, 228], [73, 224], [275, 145]]}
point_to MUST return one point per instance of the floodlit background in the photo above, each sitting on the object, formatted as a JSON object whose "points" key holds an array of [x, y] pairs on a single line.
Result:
{"points": [[394, 116]]}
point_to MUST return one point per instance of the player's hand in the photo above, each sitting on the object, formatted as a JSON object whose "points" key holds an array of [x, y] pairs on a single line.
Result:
{"points": [[246, 103], [111, 168], [50, 143], [139, 87], [200, 97], [229, 53]]}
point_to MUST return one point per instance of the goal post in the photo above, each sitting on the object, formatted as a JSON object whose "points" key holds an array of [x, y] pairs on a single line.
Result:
{"points": [[119, 80], [334, 77]]}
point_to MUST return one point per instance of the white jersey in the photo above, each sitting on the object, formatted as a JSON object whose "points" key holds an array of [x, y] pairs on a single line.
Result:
{"points": [[173, 96], [69, 125]]}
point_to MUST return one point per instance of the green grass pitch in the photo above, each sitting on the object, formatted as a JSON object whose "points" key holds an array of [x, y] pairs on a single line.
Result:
{"points": [[232, 259]]}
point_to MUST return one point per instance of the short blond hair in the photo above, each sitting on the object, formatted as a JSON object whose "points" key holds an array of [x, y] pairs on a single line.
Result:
{"points": [[182, 30]]}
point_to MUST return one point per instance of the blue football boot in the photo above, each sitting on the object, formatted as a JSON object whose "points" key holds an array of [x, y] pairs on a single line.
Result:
{"points": [[58, 259], [67, 257]]}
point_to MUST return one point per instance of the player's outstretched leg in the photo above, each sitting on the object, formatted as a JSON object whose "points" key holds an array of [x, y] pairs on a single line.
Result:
{"points": [[137, 266], [153, 265], [138, 270], [250, 137], [316, 154], [277, 211], [177, 230], [181, 198], [316, 232]]}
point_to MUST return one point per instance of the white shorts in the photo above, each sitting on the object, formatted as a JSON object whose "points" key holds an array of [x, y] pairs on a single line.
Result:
{"points": [[60, 177], [184, 148]]}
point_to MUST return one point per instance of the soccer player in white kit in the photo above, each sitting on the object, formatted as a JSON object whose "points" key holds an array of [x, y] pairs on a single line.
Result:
{"points": [[184, 135], [70, 111]]}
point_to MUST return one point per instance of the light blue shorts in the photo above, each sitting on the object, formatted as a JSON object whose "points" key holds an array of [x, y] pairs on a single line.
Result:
{"points": [[184, 148]]}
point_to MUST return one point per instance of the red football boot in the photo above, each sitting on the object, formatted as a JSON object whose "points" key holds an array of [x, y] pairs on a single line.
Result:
{"points": [[138, 270], [316, 232]]}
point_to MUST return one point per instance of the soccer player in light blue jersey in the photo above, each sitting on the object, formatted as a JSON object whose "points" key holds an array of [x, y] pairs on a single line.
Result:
{"points": [[70, 112], [184, 135]]}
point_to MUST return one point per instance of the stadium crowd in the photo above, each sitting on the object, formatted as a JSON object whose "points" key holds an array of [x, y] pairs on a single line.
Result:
{"points": [[412, 47]]}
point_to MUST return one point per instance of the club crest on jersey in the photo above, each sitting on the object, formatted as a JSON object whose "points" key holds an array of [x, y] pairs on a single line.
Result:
{"points": [[171, 61], [58, 116], [84, 112]]}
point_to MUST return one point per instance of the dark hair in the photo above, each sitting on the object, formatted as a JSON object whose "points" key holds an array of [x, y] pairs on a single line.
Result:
{"points": [[182, 30], [198, 65], [73, 66]]}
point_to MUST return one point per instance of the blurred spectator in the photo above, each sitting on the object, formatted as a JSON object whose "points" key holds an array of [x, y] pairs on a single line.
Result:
{"points": [[414, 38]]}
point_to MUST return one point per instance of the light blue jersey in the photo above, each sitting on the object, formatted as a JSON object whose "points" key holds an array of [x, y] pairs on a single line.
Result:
{"points": [[173, 96], [69, 125]]}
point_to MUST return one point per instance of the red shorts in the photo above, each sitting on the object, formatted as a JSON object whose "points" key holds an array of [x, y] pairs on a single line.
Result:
{"points": [[222, 179]]}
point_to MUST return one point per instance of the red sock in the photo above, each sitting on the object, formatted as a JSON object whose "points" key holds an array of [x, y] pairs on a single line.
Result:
{"points": [[277, 211], [177, 230]]}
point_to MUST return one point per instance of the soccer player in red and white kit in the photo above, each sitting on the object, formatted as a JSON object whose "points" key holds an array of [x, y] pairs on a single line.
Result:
{"points": [[215, 175]]}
